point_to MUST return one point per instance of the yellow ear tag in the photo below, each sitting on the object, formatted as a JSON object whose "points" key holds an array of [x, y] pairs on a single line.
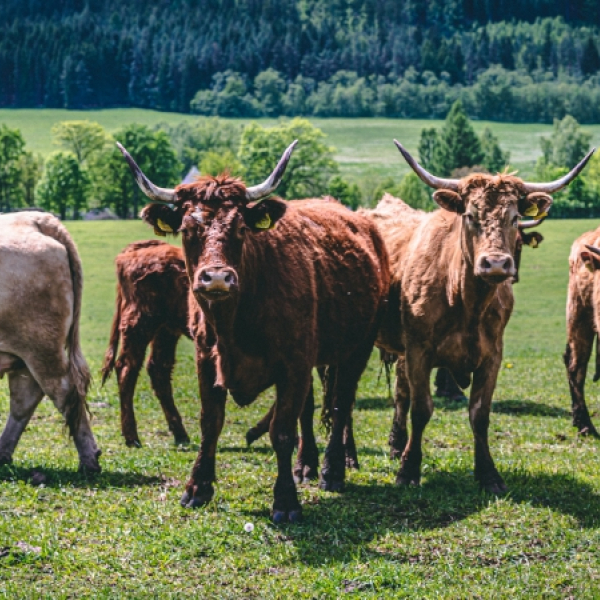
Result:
{"points": [[264, 223], [533, 243], [163, 226], [532, 211], [542, 215], [589, 267]]}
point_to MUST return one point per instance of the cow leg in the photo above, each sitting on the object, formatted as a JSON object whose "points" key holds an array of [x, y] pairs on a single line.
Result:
{"points": [[421, 408], [350, 445], [399, 434], [292, 391], [307, 460], [344, 379], [484, 383], [577, 355], [446, 386], [25, 395], [260, 428], [134, 344], [199, 488], [160, 369]]}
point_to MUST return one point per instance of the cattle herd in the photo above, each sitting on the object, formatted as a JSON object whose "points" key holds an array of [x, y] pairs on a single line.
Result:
{"points": [[268, 289]]}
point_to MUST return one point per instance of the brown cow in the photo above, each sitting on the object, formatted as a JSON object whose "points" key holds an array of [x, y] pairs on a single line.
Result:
{"points": [[151, 308], [583, 323], [451, 298], [269, 303], [40, 310]]}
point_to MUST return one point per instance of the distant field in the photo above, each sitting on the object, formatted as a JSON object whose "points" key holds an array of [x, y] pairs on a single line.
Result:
{"points": [[363, 146], [123, 534]]}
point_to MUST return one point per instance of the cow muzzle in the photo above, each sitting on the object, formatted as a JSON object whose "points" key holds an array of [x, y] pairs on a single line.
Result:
{"points": [[216, 282], [495, 267]]}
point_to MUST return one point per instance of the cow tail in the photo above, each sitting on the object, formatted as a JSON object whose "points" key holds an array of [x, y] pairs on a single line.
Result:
{"points": [[79, 372], [597, 373], [113, 344]]}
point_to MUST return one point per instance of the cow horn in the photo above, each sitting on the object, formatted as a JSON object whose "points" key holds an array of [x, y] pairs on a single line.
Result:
{"points": [[157, 194], [559, 184], [593, 249], [262, 190], [530, 224], [425, 176]]}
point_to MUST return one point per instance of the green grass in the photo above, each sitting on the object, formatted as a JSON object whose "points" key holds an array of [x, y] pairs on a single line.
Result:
{"points": [[123, 533], [364, 146]]}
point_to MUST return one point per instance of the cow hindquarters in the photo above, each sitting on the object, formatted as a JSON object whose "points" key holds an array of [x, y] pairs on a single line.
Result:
{"points": [[199, 488], [25, 395], [580, 336], [484, 383]]}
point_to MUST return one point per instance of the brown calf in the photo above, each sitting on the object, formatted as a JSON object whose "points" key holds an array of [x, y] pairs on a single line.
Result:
{"points": [[451, 298], [269, 303], [583, 323], [151, 308]]}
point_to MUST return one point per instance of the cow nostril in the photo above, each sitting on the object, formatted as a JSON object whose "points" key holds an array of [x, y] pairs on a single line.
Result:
{"points": [[507, 264], [228, 278], [485, 263], [206, 278]]}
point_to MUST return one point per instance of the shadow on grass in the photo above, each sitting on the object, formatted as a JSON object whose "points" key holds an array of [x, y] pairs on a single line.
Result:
{"points": [[527, 407], [336, 525], [378, 403], [54, 478]]}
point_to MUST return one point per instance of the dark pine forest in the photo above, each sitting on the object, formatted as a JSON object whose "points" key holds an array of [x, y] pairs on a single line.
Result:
{"points": [[404, 58]]}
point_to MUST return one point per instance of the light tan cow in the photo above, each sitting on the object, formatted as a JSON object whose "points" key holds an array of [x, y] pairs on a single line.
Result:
{"points": [[41, 283], [583, 323]]}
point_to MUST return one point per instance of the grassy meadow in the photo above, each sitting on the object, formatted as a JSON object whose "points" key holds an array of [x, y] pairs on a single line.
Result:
{"points": [[123, 533], [364, 147]]}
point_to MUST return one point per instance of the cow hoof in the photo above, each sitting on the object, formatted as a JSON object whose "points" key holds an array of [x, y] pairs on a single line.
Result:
{"points": [[295, 516], [497, 488], [133, 443], [195, 501], [89, 468], [5, 459], [182, 441], [334, 485], [352, 463], [279, 517], [588, 430], [251, 437], [407, 480]]}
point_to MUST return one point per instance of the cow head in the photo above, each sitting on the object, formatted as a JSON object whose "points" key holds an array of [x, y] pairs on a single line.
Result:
{"points": [[214, 216], [490, 207]]}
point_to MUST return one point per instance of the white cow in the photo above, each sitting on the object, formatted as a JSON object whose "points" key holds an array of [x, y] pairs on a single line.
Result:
{"points": [[41, 284]]}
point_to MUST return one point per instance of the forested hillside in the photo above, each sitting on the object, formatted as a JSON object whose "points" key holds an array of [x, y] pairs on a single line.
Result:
{"points": [[506, 59]]}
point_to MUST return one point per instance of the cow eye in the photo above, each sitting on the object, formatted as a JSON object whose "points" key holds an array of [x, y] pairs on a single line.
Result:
{"points": [[469, 220], [515, 221]]}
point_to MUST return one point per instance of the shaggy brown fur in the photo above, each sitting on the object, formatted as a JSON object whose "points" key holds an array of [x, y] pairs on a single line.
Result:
{"points": [[583, 324], [445, 309], [42, 285], [151, 308], [268, 304]]}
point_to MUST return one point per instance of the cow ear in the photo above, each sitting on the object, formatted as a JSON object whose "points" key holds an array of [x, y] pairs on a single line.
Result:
{"points": [[164, 219], [263, 215], [533, 239], [450, 201], [590, 260], [536, 204]]}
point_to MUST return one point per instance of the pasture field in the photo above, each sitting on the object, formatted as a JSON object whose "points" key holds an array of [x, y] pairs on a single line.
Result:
{"points": [[123, 533], [364, 147]]}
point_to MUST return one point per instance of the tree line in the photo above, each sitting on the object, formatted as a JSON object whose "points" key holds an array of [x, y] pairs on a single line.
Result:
{"points": [[89, 172], [304, 57]]}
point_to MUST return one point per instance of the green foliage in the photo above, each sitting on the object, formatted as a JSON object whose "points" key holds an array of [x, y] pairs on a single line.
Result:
{"points": [[347, 193], [269, 87], [192, 140], [495, 160], [31, 166], [82, 138], [154, 154], [64, 185], [310, 168], [12, 152], [215, 163], [430, 140], [567, 145], [415, 193]]}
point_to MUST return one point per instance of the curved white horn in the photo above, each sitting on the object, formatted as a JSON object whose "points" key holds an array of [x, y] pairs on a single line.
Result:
{"points": [[559, 184], [424, 175], [262, 190], [157, 194], [530, 224]]}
